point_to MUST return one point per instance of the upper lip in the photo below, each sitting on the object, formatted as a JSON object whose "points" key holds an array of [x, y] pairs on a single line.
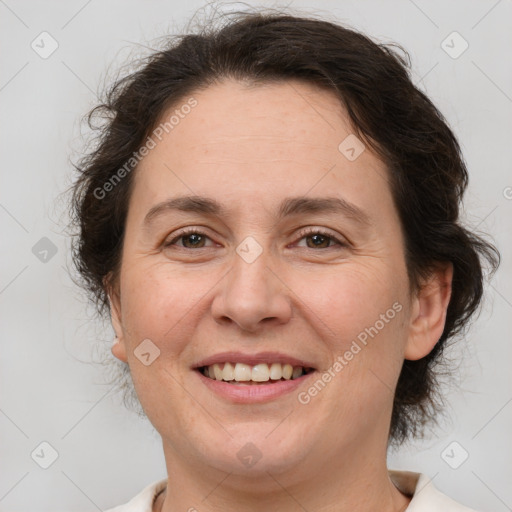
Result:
{"points": [[253, 359]]}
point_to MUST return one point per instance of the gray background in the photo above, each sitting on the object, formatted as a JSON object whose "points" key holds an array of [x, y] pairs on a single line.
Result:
{"points": [[50, 390]]}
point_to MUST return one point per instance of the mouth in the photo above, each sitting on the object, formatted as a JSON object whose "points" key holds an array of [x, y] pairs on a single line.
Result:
{"points": [[241, 374], [241, 378]]}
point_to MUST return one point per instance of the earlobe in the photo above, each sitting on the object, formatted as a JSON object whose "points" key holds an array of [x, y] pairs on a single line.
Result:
{"points": [[119, 350], [118, 347], [428, 314]]}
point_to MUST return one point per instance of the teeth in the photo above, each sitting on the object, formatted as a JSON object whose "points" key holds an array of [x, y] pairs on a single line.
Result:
{"points": [[217, 372], [287, 371], [276, 371], [243, 372], [228, 372], [260, 373], [240, 372], [297, 372]]}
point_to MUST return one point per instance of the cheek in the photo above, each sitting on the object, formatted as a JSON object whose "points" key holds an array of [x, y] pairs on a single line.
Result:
{"points": [[159, 304], [360, 312], [345, 300]]}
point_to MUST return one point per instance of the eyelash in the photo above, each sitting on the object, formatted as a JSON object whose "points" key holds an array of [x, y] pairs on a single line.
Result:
{"points": [[302, 234]]}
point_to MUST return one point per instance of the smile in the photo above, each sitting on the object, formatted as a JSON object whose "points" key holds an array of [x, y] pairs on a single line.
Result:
{"points": [[240, 373]]}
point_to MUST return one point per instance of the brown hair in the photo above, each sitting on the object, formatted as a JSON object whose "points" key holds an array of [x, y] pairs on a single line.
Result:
{"points": [[426, 170]]}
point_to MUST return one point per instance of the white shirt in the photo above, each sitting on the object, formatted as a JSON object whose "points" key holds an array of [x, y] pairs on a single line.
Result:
{"points": [[425, 497]]}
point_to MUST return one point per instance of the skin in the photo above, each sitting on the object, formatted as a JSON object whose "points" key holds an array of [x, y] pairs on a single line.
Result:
{"points": [[249, 148]]}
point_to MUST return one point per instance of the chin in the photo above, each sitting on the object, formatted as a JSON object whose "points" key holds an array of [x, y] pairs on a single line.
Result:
{"points": [[258, 451]]}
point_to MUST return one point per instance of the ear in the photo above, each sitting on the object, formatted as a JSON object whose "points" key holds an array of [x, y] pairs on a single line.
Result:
{"points": [[428, 314], [114, 296]]}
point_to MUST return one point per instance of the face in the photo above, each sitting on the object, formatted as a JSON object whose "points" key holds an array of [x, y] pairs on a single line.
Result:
{"points": [[296, 256]]}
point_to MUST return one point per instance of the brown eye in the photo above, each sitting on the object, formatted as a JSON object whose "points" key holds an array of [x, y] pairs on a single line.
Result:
{"points": [[319, 239], [190, 239], [195, 240]]}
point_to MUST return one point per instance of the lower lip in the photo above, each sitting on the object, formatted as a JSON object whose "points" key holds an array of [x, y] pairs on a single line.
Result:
{"points": [[252, 393]]}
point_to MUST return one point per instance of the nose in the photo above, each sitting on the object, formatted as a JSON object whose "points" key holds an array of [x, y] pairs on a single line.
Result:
{"points": [[252, 296]]}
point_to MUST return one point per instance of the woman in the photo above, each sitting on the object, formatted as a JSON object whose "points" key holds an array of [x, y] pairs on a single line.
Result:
{"points": [[271, 220]]}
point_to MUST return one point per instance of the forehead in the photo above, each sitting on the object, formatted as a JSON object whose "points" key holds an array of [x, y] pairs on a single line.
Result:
{"points": [[277, 114], [243, 142]]}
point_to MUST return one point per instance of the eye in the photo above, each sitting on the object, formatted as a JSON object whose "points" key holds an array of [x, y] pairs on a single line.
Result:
{"points": [[320, 238], [191, 238]]}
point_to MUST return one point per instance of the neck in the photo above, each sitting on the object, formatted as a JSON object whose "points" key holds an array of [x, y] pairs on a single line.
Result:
{"points": [[334, 486]]}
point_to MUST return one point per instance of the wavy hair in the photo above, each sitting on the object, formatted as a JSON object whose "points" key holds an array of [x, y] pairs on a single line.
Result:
{"points": [[427, 173]]}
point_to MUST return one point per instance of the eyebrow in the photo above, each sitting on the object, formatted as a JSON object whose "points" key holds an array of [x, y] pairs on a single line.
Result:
{"points": [[289, 206]]}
